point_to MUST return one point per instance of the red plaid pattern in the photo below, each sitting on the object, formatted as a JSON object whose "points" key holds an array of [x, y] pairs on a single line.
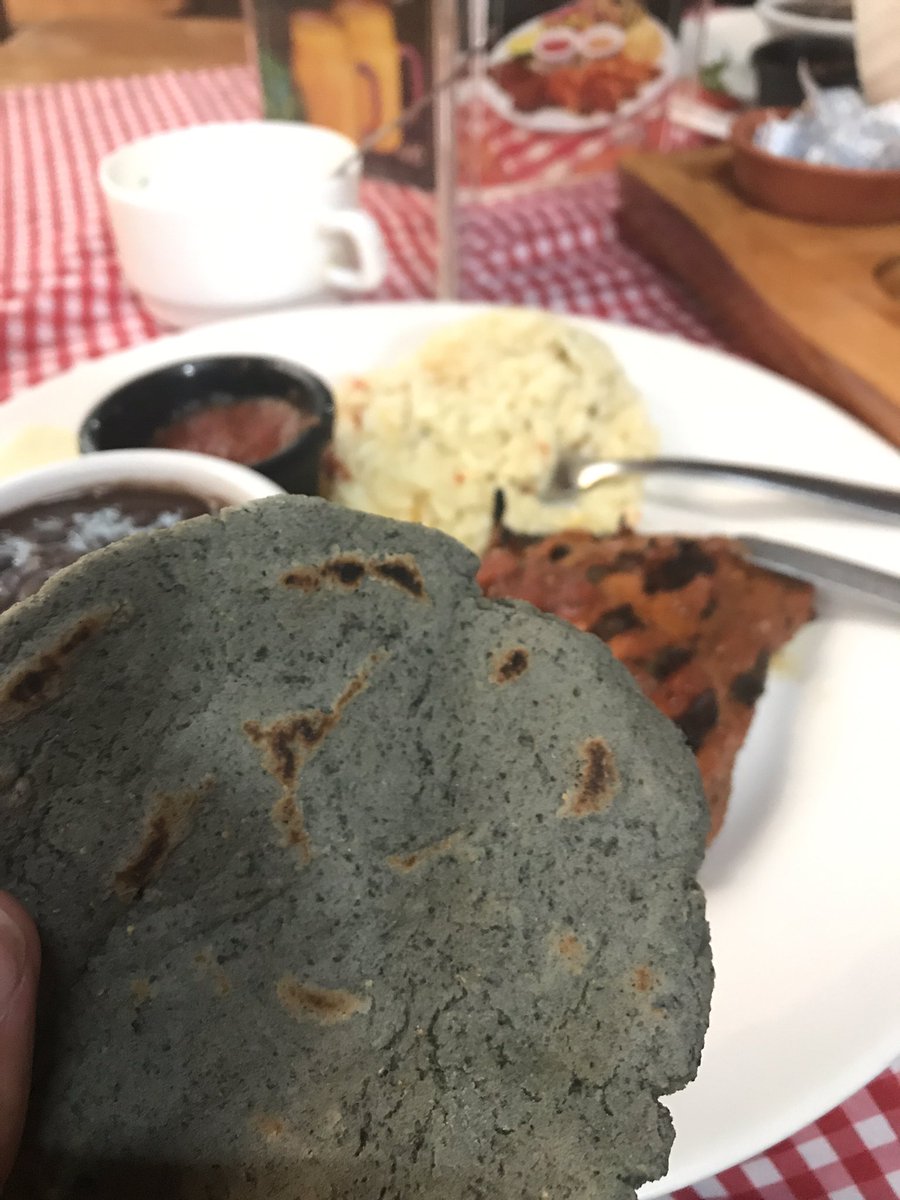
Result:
{"points": [[560, 249], [62, 299], [852, 1153], [497, 153]]}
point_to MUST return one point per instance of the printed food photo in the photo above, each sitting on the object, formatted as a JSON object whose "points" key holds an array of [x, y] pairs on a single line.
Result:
{"points": [[578, 67]]}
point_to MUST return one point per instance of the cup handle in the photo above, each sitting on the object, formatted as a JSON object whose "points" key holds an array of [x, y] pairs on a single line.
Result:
{"points": [[361, 231]]}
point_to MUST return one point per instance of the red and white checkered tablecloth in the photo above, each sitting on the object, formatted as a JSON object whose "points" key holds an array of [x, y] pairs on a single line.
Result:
{"points": [[494, 152], [62, 299]]}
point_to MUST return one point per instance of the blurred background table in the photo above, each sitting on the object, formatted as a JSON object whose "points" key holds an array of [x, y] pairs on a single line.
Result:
{"points": [[45, 41]]}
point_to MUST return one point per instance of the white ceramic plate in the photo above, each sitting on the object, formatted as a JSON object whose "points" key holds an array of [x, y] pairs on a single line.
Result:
{"points": [[561, 120], [802, 884]]}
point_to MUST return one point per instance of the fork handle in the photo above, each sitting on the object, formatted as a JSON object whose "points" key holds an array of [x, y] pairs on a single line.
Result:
{"points": [[880, 499]]}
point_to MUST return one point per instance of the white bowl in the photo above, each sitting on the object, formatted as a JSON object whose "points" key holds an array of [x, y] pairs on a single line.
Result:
{"points": [[199, 474], [218, 220], [788, 24]]}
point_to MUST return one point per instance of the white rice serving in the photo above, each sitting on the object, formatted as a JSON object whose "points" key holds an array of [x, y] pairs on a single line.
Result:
{"points": [[490, 403]]}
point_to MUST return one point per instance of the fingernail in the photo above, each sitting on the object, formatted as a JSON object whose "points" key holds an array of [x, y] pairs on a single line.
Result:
{"points": [[12, 960]]}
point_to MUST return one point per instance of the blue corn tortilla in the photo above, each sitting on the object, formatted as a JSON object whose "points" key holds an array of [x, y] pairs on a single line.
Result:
{"points": [[351, 883]]}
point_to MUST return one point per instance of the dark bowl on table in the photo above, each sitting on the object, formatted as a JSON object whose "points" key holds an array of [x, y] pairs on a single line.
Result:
{"points": [[225, 394], [831, 61], [805, 191]]}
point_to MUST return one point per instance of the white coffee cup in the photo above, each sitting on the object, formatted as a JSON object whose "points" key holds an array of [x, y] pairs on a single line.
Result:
{"points": [[218, 220]]}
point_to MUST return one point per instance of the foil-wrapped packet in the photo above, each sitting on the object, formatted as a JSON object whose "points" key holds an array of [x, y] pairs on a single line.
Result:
{"points": [[837, 128]]}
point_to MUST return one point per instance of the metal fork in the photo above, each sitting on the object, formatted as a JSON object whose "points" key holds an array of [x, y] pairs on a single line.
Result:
{"points": [[572, 476]]}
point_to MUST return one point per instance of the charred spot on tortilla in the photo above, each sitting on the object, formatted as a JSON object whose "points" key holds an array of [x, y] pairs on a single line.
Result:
{"points": [[287, 817], [415, 858], [41, 679], [168, 821], [327, 1006], [305, 579], [598, 780], [282, 761], [289, 742], [344, 571], [268, 1127], [571, 951], [509, 664], [285, 742], [644, 979], [403, 572], [141, 991], [347, 571]]}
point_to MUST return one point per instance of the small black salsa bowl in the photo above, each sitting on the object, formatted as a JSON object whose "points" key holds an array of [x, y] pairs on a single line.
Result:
{"points": [[132, 415]]}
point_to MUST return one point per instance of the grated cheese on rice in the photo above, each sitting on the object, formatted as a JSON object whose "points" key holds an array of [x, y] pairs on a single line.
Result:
{"points": [[491, 402]]}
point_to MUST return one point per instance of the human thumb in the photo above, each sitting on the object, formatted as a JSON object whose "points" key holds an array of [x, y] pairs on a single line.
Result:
{"points": [[19, 965]]}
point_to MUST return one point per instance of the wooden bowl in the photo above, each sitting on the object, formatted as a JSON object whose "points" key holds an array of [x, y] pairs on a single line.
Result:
{"points": [[826, 195]]}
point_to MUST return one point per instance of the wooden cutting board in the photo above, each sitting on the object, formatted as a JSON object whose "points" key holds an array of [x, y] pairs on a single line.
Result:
{"points": [[820, 304]]}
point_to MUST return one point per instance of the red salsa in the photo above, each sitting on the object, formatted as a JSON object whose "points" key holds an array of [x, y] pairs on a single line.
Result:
{"points": [[245, 431]]}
